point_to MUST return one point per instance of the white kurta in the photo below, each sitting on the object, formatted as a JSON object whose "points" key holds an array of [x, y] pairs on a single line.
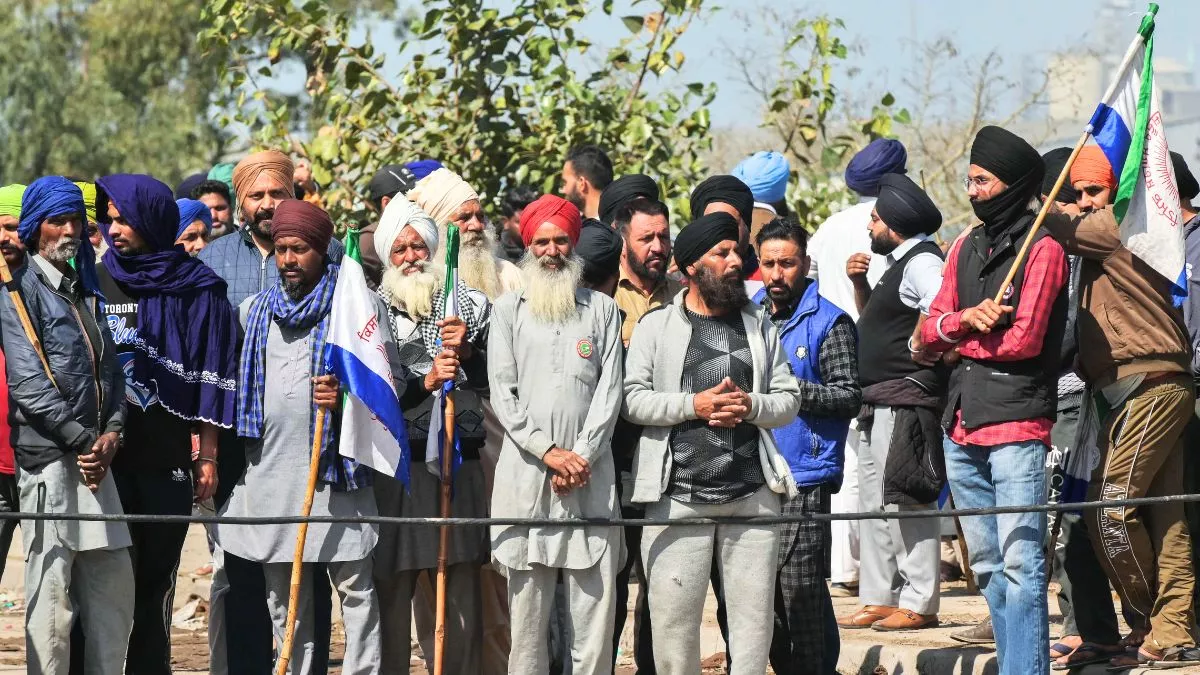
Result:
{"points": [[555, 385]]}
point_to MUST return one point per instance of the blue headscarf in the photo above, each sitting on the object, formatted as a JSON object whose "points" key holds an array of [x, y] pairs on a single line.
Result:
{"points": [[191, 210], [881, 156], [423, 167], [186, 342], [51, 196], [766, 173]]}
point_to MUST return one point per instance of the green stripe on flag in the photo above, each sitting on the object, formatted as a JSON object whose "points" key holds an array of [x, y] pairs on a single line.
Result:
{"points": [[451, 261], [1128, 179], [353, 251]]}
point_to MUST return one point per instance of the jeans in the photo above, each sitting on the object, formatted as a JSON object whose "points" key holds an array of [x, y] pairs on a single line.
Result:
{"points": [[1007, 556]]}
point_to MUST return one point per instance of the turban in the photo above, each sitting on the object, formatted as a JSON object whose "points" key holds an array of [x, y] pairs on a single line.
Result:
{"points": [[310, 223], [271, 162], [1014, 161], [600, 249], [51, 196], [1055, 160], [390, 181], [398, 213], [701, 235], [89, 199], [423, 167], [624, 190], [905, 208], [726, 190], [551, 209], [881, 156], [767, 174], [441, 194], [1188, 187], [191, 210], [148, 205], [185, 187], [10, 200], [223, 173], [1092, 166]]}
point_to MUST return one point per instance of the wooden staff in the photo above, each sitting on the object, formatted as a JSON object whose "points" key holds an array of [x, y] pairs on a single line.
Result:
{"points": [[285, 655], [439, 632], [23, 314], [1066, 170]]}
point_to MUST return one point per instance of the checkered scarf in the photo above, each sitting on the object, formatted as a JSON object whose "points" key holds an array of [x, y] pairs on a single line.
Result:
{"points": [[310, 312]]}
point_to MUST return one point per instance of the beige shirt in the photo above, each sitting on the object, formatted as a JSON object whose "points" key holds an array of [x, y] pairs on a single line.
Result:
{"points": [[636, 303]]}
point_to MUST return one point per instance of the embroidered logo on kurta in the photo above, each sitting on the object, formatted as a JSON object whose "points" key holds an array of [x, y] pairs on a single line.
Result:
{"points": [[584, 348], [801, 352]]}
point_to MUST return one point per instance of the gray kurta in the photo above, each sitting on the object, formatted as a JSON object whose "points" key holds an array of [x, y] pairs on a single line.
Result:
{"points": [[277, 472], [555, 385], [58, 488]]}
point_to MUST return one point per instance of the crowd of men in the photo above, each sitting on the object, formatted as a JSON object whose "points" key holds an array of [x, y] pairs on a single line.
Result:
{"points": [[171, 346]]}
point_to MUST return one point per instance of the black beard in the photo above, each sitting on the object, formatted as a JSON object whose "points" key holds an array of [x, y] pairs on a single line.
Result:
{"points": [[261, 223], [722, 295], [639, 269], [882, 246], [295, 290]]}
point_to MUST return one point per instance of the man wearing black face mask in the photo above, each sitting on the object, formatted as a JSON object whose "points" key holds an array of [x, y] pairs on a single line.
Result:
{"points": [[1003, 392]]}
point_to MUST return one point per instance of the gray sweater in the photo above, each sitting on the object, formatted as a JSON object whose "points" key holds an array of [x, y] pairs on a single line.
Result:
{"points": [[653, 396]]}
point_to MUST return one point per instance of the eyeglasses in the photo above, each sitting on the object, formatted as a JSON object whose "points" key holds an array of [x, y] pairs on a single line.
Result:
{"points": [[981, 182]]}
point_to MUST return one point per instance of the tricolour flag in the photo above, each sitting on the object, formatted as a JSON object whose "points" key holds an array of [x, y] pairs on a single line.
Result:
{"points": [[373, 429], [1128, 127], [435, 444]]}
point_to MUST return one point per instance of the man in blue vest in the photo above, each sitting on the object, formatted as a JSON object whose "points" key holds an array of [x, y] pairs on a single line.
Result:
{"points": [[822, 346]]}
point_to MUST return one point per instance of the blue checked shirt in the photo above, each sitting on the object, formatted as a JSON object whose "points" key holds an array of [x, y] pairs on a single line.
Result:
{"points": [[238, 261]]}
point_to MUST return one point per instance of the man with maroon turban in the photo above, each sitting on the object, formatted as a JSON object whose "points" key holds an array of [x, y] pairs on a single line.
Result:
{"points": [[555, 373]]}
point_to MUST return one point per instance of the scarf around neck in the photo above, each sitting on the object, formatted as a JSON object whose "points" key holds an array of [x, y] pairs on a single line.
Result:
{"points": [[309, 313]]}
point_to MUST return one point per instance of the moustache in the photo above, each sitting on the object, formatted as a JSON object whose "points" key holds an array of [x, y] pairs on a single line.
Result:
{"points": [[264, 215]]}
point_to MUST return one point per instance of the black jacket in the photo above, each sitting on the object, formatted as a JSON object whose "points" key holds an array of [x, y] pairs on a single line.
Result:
{"points": [[915, 470], [48, 422]]}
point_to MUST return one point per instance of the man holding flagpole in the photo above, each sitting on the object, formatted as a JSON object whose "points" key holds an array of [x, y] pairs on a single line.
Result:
{"points": [[283, 381], [432, 346]]}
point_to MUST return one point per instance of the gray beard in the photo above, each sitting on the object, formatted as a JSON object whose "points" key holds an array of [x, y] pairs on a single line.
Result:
{"points": [[63, 250], [551, 293], [477, 267], [412, 293]]}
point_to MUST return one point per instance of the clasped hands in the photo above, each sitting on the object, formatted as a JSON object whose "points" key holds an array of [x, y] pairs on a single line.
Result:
{"points": [[724, 405]]}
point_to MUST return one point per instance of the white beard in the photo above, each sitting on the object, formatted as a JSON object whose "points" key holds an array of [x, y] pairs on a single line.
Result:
{"points": [[477, 266], [551, 293], [412, 293]]}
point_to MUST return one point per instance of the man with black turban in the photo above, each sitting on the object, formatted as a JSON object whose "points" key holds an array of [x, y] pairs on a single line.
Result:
{"points": [[1136, 353], [1067, 195], [705, 377], [900, 394], [599, 248], [1003, 392], [728, 194], [624, 190]]}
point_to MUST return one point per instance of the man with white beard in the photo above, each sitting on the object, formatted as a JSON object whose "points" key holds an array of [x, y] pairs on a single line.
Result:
{"points": [[555, 369], [447, 198], [412, 288]]}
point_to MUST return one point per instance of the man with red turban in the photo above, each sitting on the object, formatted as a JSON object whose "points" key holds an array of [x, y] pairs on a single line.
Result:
{"points": [[1093, 179], [555, 373]]}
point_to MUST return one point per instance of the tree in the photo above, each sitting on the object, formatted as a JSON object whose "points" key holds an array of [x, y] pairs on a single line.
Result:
{"points": [[99, 86], [499, 95]]}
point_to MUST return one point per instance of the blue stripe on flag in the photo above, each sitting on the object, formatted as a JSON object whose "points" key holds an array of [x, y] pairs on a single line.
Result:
{"points": [[376, 394], [1112, 135]]}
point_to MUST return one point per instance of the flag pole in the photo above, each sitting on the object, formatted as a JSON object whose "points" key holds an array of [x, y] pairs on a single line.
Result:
{"points": [[285, 654], [439, 632], [1130, 53]]}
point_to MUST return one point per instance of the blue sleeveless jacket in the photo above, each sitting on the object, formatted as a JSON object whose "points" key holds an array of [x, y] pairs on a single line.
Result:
{"points": [[814, 446]]}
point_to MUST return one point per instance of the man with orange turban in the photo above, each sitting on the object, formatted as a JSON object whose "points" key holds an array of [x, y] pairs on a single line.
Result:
{"points": [[1092, 177], [555, 373]]}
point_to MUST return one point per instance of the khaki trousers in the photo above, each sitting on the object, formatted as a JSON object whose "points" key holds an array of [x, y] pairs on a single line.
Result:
{"points": [[1146, 551]]}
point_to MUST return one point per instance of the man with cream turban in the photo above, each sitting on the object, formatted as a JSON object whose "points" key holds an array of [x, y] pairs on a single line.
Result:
{"points": [[433, 351], [1093, 179], [447, 198]]}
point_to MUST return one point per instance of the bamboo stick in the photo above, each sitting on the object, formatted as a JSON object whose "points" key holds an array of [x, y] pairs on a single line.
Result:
{"points": [[439, 634]]}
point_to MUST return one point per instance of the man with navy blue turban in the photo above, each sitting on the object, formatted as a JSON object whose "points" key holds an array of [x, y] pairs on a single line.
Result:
{"points": [[176, 341], [67, 400]]}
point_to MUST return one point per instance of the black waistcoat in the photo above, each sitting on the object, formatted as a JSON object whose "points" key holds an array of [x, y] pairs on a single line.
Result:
{"points": [[885, 325]]}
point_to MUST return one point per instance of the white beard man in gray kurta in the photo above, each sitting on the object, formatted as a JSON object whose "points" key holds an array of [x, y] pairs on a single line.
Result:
{"points": [[555, 368]]}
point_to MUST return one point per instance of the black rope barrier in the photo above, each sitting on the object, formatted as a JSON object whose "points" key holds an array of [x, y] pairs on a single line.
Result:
{"points": [[593, 522]]}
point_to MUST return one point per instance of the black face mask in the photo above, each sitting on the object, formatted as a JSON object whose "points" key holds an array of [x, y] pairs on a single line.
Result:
{"points": [[1003, 211]]}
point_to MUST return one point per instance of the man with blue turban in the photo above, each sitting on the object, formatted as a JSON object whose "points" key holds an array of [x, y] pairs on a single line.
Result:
{"points": [[195, 223], [68, 414], [766, 173], [841, 236], [176, 341]]}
